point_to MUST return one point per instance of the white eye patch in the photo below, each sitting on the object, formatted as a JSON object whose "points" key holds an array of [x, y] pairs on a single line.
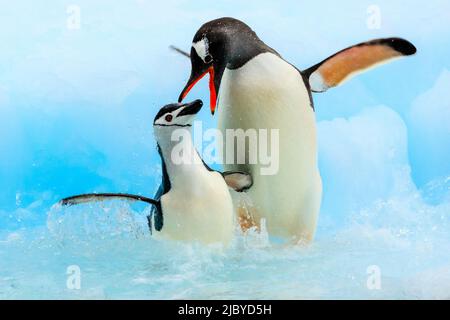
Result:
{"points": [[167, 119], [172, 118], [202, 48]]}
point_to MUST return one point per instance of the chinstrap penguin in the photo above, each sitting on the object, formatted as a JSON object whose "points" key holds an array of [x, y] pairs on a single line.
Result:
{"points": [[193, 202]]}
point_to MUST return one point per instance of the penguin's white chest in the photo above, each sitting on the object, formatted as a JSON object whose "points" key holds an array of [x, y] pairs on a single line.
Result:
{"points": [[269, 93], [198, 207]]}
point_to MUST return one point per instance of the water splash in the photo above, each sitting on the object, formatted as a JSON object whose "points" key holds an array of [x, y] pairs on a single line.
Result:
{"points": [[405, 237]]}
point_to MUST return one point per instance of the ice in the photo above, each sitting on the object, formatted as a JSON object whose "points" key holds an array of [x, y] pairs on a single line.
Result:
{"points": [[362, 159], [430, 131], [386, 224], [76, 112]]}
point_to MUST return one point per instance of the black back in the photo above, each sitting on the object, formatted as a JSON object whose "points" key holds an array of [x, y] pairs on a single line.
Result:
{"points": [[232, 43], [164, 187]]}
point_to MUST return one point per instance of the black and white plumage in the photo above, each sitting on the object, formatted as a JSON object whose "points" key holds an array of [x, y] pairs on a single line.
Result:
{"points": [[253, 87], [193, 202]]}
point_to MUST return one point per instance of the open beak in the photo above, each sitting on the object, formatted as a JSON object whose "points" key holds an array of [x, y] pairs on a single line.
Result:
{"points": [[199, 70], [196, 77]]}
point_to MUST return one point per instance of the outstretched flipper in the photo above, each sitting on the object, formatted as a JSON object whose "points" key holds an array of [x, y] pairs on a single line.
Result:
{"points": [[343, 65], [96, 197]]}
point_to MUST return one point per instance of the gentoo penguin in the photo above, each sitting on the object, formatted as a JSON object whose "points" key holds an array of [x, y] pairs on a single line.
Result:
{"points": [[255, 88], [193, 202]]}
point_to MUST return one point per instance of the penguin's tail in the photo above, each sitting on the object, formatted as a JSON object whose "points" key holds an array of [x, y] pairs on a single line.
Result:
{"points": [[180, 51], [97, 197]]}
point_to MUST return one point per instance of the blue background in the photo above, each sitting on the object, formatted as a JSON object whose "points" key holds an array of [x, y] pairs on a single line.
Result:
{"points": [[76, 106], [76, 112]]}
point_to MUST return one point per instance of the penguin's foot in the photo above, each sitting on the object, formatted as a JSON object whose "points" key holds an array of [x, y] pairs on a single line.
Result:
{"points": [[246, 219]]}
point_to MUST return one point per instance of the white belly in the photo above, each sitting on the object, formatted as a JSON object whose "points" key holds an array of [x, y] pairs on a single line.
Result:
{"points": [[268, 93], [199, 210]]}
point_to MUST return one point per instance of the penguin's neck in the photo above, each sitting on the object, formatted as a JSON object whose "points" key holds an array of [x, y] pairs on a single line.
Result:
{"points": [[180, 158]]}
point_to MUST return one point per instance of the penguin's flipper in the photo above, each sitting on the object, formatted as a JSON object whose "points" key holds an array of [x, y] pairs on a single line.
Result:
{"points": [[346, 63], [237, 180], [156, 211], [96, 197]]}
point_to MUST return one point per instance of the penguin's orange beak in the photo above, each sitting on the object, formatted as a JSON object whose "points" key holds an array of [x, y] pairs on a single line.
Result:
{"points": [[196, 78]]}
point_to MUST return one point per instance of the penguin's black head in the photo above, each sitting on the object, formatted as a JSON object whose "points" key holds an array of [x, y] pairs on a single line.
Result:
{"points": [[177, 114], [219, 44]]}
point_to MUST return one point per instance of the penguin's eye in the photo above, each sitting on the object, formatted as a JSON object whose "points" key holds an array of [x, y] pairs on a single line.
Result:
{"points": [[208, 58], [169, 118]]}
